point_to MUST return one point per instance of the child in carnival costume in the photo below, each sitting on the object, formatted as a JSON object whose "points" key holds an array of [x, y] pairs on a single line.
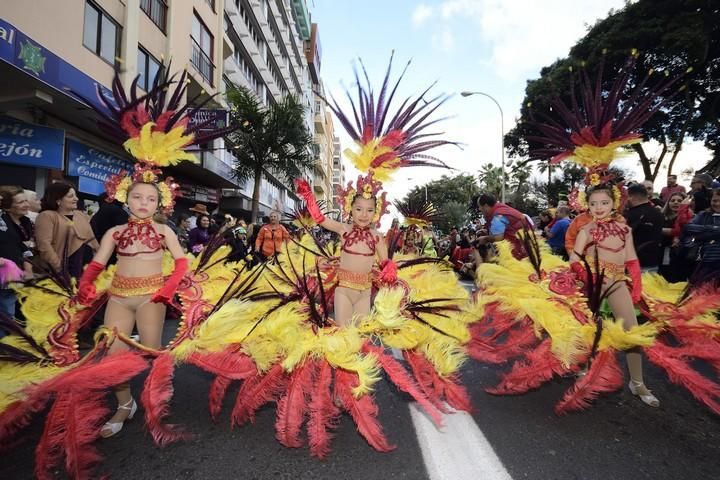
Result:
{"points": [[418, 239], [156, 135], [551, 312], [384, 145]]}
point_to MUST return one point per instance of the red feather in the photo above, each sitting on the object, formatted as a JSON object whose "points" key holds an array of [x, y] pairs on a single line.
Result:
{"points": [[48, 452], [425, 378], [363, 411], [218, 388], [86, 377], [603, 376], [680, 373], [157, 393], [399, 376], [292, 406], [83, 419], [256, 392], [229, 363], [538, 367], [483, 349], [323, 412], [455, 394]]}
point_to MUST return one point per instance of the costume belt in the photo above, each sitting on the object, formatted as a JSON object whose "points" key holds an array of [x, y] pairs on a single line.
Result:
{"points": [[612, 271], [354, 280], [136, 286]]}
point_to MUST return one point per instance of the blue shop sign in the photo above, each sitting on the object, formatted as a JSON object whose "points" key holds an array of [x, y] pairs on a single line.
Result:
{"points": [[30, 145], [94, 167], [24, 53]]}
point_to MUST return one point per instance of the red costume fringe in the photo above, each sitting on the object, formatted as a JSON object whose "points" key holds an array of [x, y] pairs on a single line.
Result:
{"points": [[363, 410], [538, 366], [256, 392], [603, 376], [157, 393], [323, 412], [291, 407], [402, 380], [218, 388]]}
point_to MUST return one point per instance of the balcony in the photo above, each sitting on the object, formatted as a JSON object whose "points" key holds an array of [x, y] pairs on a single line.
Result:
{"points": [[303, 18], [202, 62]]}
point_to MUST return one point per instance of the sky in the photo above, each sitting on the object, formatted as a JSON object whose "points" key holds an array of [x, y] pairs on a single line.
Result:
{"points": [[491, 46]]}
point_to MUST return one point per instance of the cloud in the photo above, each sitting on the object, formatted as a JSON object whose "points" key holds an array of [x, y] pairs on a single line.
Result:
{"points": [[524, 35], [444, 40], [421, 13]]}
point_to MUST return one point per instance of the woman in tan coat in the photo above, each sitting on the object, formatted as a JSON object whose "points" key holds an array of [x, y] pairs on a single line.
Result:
{"points": [[63, 233]]}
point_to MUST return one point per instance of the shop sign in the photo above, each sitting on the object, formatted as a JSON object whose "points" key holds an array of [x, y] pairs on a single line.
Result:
{"points": [[207, 119], [30, 145], [31, 57], [93, 166]]}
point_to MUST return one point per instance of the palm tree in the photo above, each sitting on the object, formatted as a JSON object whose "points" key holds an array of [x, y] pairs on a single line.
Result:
{"points": [[268, 139], [491, 179]]}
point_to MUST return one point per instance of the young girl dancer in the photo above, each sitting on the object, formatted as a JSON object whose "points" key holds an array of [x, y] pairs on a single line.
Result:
{"points": [[362, 246], [607, 245], [139, 291]]}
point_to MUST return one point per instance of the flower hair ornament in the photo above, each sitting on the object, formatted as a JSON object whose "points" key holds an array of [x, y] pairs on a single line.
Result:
{"points": [[154, 129], [385, 141], [597, 124]]}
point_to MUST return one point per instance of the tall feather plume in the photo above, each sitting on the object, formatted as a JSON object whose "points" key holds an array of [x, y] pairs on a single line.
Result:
{"points": [[256, 392], [402, 380], [538, 366], [363, 410], [599, 118], [604, 375], [324, 414], [292, 406], [218, 389], [402, 132], [156, 396], [681, 373]]}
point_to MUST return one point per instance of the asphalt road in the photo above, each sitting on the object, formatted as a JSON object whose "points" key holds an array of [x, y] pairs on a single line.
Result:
{"points": [[618, 438]]}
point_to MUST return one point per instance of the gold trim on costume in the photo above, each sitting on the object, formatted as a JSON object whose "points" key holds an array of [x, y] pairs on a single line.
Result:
{"points": [[613, 271], [136, 286], [354, 280]]}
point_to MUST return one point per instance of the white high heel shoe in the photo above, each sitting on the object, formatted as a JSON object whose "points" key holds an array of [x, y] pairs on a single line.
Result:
{"points": [[647, 398], [113, 428]]}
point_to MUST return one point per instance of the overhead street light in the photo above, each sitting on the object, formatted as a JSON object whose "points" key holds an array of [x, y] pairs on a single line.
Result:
{"points": [[502, 138]]}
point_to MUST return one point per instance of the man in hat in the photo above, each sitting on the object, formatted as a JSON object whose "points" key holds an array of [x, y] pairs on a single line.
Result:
{"points": [[199, 209]]}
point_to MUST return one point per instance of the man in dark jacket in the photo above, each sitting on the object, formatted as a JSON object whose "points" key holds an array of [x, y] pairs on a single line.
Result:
{"points": [[108, 216], [646, 222]]}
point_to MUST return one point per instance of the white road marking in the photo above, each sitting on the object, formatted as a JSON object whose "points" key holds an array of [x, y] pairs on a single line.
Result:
{"points": [[457, 451]]}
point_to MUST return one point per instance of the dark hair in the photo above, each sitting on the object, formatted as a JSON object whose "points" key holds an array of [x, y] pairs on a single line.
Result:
{"points": [[637, 190], [486, 199], [182, 218], [604, 187], [7, 194], [199, 219], [53, 194]]}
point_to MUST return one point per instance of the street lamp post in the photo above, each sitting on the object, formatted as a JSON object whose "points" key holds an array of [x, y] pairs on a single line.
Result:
{"points": [[502, 138]]}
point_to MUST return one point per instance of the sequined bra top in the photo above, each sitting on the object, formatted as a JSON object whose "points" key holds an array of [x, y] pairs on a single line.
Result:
{"points": [[356, 236], [139, 238]]}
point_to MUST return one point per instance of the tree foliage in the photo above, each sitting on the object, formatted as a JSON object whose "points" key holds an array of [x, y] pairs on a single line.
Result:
{"points": [[271, 139], [671, 37], [450, 195]]}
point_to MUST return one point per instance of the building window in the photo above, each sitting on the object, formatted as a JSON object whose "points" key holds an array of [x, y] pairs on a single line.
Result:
{"points": [[147, 67], [101, 34], [157, 11], [202, 49]]}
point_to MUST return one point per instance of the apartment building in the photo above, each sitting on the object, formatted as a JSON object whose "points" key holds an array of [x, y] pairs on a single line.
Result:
{"points": [[51, 49], [338, 173], [267, 40]]}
